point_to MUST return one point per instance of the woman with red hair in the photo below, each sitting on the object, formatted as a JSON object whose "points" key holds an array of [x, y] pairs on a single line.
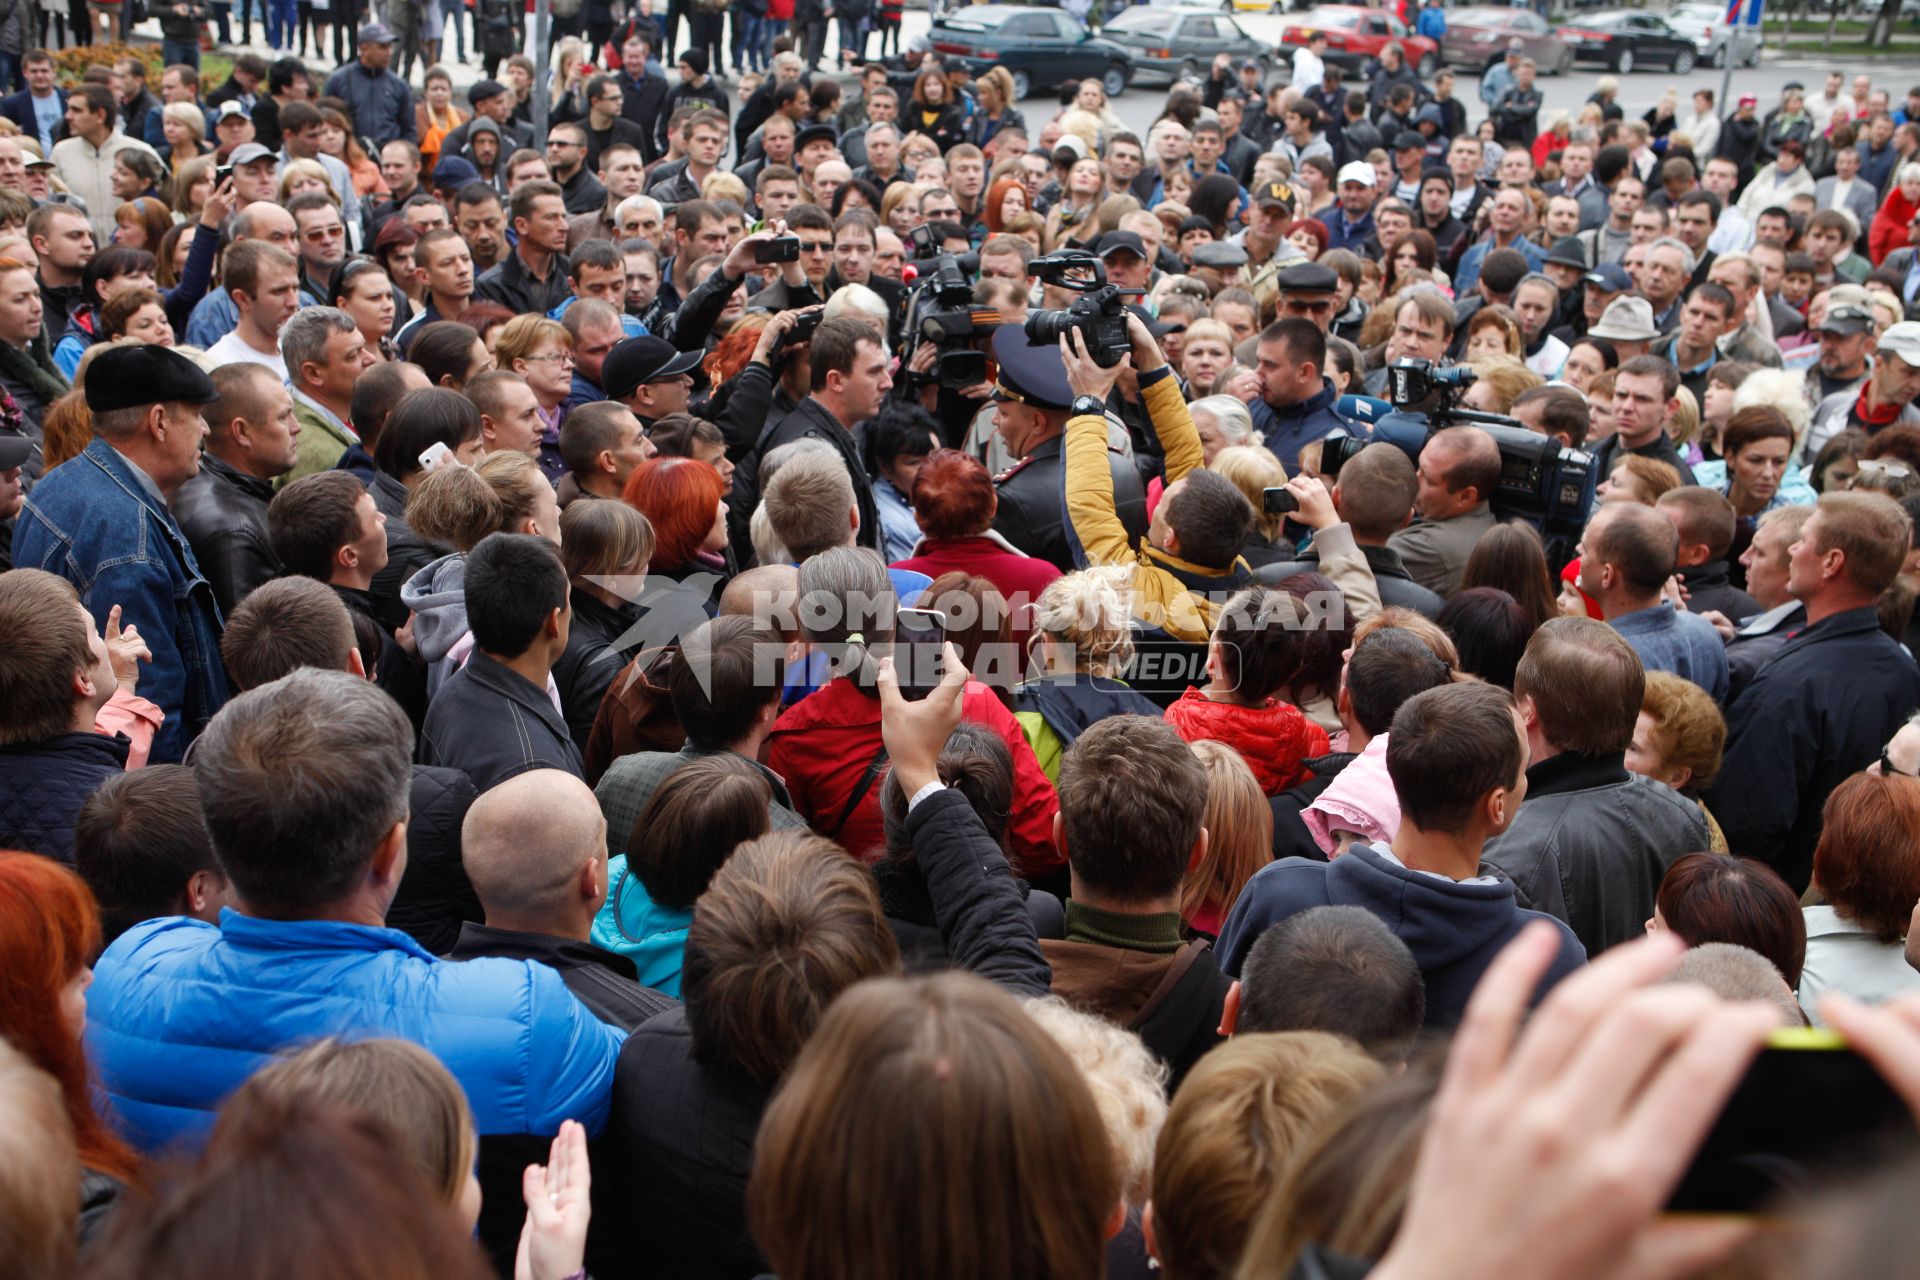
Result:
{"points": [[1004, 199], [954, 503], [49, 934], [685, 502]]}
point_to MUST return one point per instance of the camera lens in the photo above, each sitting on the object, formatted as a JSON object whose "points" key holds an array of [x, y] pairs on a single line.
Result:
{"points": [[1048, 326]]}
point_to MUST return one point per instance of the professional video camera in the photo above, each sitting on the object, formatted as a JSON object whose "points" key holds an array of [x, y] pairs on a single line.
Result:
{"points": [[1100, 313], [1542, 482], [940, 310]]}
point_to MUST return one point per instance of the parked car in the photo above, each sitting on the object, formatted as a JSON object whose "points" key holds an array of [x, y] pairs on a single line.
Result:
{"points": [[1175, 42], [1043, 47], [1706, 25], [1626, 39], [1478, 38], [1356, 35]]}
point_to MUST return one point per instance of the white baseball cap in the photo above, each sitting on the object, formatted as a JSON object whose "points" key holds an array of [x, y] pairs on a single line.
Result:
{"points": [[1359, 171], [1903, 340]]}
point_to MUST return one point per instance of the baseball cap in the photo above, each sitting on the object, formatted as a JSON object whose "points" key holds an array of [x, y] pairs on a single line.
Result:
{"points": [[376, 33], [484, 89], [1516, 45], [1610, 276], [14, 450], [1115, 241], [1409, 140], [32, 161], [1361, 172], [230, 108], [1847, 320], [638, 361], [1903, 340], [247, 153], [1749, 99], [1274, 193]]}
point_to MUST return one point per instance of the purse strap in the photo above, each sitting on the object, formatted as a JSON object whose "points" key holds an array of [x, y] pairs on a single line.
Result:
{"points": [[859, 792]]}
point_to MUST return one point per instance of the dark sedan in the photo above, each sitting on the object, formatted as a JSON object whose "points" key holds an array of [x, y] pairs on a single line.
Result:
{"points": [[1627, 40], [1176, 42], [1479, 37], [1041, 47]]}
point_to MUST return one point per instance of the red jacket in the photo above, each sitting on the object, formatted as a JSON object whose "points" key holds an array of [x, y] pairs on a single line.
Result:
{"points": [[1889, 230], [1275, 739], [823, 744], [1019, 578]]}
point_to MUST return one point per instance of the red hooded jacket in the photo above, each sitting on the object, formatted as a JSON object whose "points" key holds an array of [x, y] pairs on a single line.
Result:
{"points": [[1274, 738]]}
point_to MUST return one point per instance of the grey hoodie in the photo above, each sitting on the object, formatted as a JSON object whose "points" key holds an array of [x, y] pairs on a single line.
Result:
{"points": [[437, 594]]}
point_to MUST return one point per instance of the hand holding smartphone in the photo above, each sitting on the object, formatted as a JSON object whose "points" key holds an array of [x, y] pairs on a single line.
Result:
{"points": [[919, 635]]}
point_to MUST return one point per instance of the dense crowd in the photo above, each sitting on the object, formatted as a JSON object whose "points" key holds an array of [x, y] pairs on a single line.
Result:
{"points": [[690, 696]]}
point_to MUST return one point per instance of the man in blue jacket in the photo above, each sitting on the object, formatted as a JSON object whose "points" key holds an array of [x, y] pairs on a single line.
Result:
{"points": [[304, 787], [1295, 404], [1819, 708], [1457, 756], [101, 522]]}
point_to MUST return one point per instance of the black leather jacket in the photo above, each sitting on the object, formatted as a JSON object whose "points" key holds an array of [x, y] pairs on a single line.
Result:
{"points": [[1033, 504], [223, 512]]}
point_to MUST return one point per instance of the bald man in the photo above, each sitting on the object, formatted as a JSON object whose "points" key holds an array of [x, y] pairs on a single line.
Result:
{"points": [[535, 848], [1458, 472]]}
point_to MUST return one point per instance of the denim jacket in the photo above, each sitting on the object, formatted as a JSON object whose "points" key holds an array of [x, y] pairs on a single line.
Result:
{"points": [[92, 522]]}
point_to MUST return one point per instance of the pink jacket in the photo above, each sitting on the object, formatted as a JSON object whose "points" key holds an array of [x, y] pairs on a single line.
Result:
{"points": [[133, 715], [1361, 800]]}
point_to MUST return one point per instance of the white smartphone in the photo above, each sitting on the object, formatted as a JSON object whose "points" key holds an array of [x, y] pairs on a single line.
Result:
{"points": [[435, 456]]}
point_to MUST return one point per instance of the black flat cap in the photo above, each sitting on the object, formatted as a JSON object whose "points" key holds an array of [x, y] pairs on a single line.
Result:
{"points": [[1222, 254], [815, 133], [129, 377], [1308, 277]]}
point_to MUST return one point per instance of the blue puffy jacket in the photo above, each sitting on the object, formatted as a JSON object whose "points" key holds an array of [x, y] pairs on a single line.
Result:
{"points": [[181, 1012]]}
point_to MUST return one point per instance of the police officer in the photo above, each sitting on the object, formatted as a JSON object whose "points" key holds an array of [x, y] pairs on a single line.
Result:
{"points": [[1032, 405]]}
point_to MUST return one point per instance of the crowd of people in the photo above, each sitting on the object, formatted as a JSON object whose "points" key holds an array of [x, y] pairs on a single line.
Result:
{"points": [[606, 703]]}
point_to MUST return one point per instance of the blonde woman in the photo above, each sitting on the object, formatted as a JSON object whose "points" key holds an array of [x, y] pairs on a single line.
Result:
{"points": [[185, 127], [1081, 647], [994, 92], [1128, 1083], [1072, 220], [297, 177], [1253, 469], [900, 208], [1205, 357], [541, 351], [721, 185], [1499, 382]]}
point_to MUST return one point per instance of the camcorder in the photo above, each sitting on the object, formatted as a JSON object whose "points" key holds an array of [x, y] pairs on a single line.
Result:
{"points": [[1099, 314], [940, 310], [1542, 482]]}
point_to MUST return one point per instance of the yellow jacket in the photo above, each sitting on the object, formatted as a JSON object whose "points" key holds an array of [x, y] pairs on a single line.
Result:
{"points": [[1164, 593], [1161, 595]]}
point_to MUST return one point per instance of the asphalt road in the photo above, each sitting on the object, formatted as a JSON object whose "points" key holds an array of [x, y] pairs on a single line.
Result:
{"points": [[1139, 106]]}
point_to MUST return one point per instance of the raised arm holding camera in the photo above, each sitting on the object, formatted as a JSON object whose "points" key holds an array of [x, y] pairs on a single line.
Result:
{"points": [[1190, 558]]}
